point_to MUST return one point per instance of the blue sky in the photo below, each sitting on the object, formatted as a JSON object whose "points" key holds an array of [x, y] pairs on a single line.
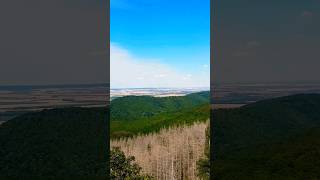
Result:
{"points": [[174, 34]]}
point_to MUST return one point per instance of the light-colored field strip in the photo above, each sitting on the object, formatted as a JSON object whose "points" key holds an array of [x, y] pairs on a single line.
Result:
{"points": [[225, 106]]}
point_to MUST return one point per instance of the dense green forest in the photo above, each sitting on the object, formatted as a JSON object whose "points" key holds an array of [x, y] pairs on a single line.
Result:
{"points": [[55, 143], [271, 139], [66, 142], [132, 115], [129, 108]]}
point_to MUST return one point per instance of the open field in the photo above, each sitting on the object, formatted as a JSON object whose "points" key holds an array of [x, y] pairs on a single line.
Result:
{"points": [[156, 92], [16, 100], [252, 92], [225, 106]]}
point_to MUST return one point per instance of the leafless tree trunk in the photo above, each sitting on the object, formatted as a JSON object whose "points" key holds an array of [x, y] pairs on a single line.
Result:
{"points": [[170, 154]]}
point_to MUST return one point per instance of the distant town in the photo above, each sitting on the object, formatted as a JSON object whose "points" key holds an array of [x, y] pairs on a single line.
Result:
{"points": [[157, 92]]}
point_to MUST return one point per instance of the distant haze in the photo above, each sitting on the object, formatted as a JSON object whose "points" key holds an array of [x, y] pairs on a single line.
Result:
{"points": [[53, 42]]}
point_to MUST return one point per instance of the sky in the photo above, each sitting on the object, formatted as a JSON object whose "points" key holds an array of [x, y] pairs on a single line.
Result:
{"points": [[53, 42], [160, 43], [266, 41]]}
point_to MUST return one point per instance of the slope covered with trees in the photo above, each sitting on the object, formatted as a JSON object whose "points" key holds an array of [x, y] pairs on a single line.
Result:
{"points": [[64, 142], [171, 153], [136, 107], [270, 139], [166, 135], [146, 114]]}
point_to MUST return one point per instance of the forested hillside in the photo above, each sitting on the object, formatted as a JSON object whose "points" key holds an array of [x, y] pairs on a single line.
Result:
{"points": [[55, 143], [68, 142], [136, 107], [270, 139], [171, 153], [146, 114], [166, 135]]}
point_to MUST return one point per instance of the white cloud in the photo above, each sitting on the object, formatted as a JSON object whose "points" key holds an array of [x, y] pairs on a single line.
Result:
{"points": [[130, 71]]}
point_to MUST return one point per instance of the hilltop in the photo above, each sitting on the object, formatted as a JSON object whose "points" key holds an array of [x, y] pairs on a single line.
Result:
{"points": [[129, 108], [270, 139], [133, 115], [166, 135], [68, 141]]}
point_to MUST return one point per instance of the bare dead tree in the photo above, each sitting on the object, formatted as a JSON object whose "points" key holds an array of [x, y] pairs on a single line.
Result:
{"points": [[171, 153]]}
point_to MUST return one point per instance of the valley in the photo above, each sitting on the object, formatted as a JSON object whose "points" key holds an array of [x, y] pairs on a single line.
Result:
{"points": [[267, 130], [166, 135]]}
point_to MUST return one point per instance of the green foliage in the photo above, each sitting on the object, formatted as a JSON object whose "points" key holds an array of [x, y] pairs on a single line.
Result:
{"points": [[55, 143], [295, 158], [270, 139], [124, 168], [132, 115], [131, 108], [162, 120], [67, 142]]}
